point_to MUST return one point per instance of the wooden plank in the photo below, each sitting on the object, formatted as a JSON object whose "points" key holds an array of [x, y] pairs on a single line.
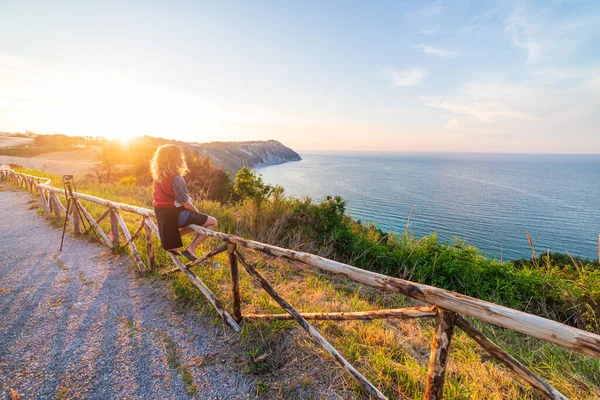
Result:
{"points": [[150, 251], [366, 385], [551, 331], [50, 202], [104, 214], [137, 232], [134, 251], [205, 257], [44, 203], [153, 227], [93, 223], [64, 210], [409, 312], [114, 228], [212, 299], [76, 220], [499, 354], [208, 255], [235, 282], [56, 208], [440, 350]]}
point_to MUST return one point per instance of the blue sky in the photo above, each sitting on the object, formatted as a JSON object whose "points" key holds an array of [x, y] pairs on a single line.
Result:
{"points": [[340, 75]]}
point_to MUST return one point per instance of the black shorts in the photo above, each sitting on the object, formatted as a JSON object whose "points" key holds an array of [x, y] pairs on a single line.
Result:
{"points": [[196, 218]]}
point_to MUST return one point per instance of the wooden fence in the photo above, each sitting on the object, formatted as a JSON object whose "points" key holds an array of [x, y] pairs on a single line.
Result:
{"points": [[448, 308]]}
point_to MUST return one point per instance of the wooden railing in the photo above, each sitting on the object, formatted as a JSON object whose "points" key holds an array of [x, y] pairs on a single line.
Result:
{"points": [[446, 307]]}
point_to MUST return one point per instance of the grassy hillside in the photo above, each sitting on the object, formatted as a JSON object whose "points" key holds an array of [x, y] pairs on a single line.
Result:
{"points": [[393, 354]]}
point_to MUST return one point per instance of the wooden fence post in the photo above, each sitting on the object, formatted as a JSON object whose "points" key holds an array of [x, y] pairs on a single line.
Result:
{"points": [[44, 202], [149, 246], [235, 282], [54, 201], [114, 227], [129, 239], [76, 218], [440, 349], [47, 194]]}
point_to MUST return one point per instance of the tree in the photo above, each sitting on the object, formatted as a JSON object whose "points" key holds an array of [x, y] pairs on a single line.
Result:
{"points": [[248, 184], [108, 160], [206, 180]]}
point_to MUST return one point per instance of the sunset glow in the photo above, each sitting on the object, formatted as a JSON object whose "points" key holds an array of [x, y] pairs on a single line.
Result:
{"points": [[430, 76]]}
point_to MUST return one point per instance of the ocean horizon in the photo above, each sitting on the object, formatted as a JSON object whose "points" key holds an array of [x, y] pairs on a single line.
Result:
{"points": [[487, 200]]}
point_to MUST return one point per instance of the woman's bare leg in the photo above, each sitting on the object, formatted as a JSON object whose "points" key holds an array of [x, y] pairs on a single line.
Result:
{"points": [[210, 224]]}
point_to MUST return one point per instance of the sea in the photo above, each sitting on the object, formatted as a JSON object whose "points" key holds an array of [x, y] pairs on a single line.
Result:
{"points": [[487, 200]]}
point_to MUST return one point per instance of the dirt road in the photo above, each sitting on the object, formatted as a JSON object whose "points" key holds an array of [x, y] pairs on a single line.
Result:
{"points": [[80, 324]]}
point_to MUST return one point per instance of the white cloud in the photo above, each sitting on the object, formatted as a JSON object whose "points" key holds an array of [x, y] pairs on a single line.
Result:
{"points": [[404, 77], [545, 37], [428, 49], [522, 32], [549, 107], [493, 101]]}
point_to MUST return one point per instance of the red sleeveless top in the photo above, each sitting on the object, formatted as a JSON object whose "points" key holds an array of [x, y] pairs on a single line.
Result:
{"points": [[164, 198]]}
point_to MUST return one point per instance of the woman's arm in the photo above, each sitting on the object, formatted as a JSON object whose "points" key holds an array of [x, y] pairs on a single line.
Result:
{"points": [[189, 206], [181, 194]]}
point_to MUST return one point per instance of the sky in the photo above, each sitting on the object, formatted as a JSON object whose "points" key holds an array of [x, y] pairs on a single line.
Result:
{"points": [[480, 76]]}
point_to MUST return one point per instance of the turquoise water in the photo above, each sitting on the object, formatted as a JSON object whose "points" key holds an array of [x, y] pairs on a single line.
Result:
{"points": [[489, 200]]}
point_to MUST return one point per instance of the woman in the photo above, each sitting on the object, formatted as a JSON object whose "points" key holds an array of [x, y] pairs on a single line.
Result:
{"points": [[172, 204]]}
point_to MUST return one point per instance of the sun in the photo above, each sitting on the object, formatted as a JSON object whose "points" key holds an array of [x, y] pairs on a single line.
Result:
{"points": [[119, 137], [124, 140]]}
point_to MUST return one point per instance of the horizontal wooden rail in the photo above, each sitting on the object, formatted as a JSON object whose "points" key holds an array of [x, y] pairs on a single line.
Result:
{"points": [[551, 331], [410, 312]]}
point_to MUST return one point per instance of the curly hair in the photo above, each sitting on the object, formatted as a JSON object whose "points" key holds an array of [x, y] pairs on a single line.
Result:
{"points": [[168, 159]]}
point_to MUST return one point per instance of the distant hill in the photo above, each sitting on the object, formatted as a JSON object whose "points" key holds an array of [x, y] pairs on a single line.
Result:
{"points": [[229, 156], [232, 156]]}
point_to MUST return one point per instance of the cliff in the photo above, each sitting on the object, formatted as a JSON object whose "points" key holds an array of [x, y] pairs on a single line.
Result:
{"points": [[232, 156]]}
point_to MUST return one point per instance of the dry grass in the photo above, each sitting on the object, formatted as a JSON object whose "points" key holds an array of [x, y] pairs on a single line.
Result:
{"points": [[393, 354]]}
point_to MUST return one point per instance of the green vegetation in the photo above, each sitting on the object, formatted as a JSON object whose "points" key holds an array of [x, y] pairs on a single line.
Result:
{"points": [[392, 354]]}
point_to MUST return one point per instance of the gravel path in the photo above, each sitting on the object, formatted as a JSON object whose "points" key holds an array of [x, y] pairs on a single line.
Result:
{"points": [[80, 324]]}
